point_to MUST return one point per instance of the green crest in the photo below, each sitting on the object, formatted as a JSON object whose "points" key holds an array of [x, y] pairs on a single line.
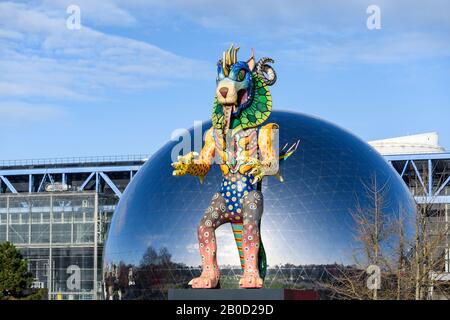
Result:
{"points": [[254, 115]]}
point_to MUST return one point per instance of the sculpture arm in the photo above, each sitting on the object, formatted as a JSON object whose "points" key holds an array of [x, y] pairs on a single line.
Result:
{"points": [[269, 164], [267, 142]]}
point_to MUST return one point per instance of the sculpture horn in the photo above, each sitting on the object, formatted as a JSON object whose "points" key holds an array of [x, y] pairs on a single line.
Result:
{"points": [[265, 71]]}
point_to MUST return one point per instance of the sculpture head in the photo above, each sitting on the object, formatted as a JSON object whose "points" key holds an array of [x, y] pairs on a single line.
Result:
{"points": [[236, 84], [234, 89]]}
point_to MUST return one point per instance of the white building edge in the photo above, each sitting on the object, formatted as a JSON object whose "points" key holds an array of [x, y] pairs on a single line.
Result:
{"points": [[423, 143]]}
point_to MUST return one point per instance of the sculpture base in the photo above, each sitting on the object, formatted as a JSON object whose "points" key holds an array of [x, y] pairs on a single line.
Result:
{"points": [[242, 294]]}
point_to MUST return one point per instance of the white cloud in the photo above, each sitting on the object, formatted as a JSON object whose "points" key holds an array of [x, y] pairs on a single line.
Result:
{"points": [[19, 112], [96, 13], [10, 34], [319, 31], [265, 15], [40, 57], [393, 48]]}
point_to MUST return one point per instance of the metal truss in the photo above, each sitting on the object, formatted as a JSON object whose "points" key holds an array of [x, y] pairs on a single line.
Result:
{"points": [[433, 187], [98, 175], [8, 184]]}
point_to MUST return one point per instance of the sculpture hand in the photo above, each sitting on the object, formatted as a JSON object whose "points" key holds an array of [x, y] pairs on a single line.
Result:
{"points": [[257, 169], [183, 164]]}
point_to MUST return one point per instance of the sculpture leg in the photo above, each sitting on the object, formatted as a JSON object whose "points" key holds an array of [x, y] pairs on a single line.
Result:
{"points": [[213, 218], [252, 213]]}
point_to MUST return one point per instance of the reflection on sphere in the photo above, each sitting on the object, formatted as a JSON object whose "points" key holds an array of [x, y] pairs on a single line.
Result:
{"points": [[307, 225]]}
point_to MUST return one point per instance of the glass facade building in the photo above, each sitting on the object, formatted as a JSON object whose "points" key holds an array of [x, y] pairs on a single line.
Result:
{"points": [[62, 236]]}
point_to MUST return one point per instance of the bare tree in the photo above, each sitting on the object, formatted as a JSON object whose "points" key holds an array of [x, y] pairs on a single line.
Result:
{"points": [[375, 231], [410, 267], [431, 239]]}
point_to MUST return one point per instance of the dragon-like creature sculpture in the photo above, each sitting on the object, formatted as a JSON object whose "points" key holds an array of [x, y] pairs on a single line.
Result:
{"points": [[246, 148]]}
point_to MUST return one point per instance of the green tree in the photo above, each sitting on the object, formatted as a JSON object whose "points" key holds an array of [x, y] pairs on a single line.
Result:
{"points": [[14, 275]]}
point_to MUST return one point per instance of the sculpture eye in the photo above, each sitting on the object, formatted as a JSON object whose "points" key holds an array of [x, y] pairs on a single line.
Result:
{"points": [[241, 75]]}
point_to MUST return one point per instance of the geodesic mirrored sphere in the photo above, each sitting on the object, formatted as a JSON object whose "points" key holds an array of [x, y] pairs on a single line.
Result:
{"points": [[307, 223]]}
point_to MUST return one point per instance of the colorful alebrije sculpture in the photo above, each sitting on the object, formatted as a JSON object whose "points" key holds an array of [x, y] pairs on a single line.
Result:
{"points": [[246, 151]]}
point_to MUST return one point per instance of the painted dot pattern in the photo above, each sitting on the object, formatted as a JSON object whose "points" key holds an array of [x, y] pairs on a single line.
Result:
{"points": [[246, 209]]}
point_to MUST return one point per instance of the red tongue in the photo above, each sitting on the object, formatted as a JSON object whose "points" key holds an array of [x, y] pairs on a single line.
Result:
{"points": [[243, 97]]}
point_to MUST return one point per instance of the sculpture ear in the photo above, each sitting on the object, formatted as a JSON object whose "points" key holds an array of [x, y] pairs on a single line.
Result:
{"points": [[251, 61]]}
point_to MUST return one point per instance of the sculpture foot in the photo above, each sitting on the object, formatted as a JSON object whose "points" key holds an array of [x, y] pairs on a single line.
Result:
{"points": [[251, 281], [205, 281]]}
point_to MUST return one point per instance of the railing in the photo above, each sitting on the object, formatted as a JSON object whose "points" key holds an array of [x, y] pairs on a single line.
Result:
{"points": [[73, 160]]}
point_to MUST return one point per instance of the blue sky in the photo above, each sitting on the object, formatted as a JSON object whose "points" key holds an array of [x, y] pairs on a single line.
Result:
{"points": [[139, 69]]}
